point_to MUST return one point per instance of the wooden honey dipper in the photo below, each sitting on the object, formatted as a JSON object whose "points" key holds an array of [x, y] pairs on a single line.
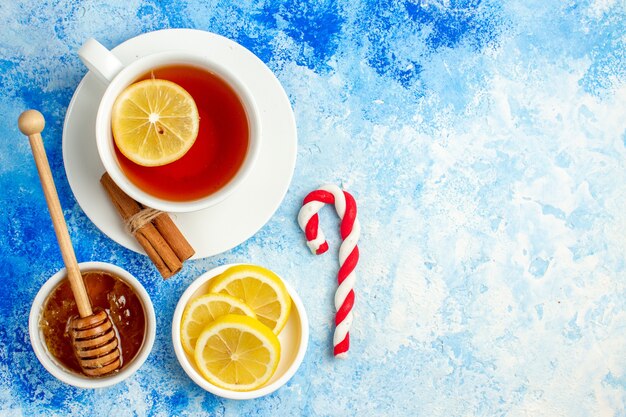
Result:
{"points": [[94, 337]]}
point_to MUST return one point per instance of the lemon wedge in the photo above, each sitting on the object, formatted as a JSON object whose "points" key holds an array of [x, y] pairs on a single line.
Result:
{"points": [[237, 353], [259, 288], [154, 122], [205, 309]]}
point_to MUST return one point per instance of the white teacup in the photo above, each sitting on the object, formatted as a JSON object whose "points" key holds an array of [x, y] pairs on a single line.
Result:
{"points": [[111, 71]]}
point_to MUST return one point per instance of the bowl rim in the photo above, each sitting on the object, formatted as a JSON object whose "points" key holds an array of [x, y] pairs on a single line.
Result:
{"points": [[222, 392], [53, 366]]}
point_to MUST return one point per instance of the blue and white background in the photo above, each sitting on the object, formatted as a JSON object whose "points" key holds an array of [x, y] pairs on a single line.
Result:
{"points": [[485, 142]]}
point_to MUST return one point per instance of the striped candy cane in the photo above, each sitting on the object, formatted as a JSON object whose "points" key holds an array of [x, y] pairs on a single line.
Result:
{"points": [[348, 253]]}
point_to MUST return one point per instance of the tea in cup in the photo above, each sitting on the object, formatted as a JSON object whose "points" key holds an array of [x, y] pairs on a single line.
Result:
{"points": [[227, 142]]}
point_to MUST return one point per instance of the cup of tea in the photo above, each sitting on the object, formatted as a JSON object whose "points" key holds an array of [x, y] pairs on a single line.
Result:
{"points": [[229, 136], [110, 288]]}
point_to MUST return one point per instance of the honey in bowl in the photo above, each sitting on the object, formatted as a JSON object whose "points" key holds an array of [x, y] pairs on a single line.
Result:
{"points": [[219, 150], [106, 292]]}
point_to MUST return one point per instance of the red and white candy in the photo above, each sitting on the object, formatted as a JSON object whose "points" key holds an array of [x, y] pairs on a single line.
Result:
{"points": [[350, 230]]}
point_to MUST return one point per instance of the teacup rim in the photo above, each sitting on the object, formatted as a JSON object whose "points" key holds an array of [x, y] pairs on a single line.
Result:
{"points": [[141, 65]]}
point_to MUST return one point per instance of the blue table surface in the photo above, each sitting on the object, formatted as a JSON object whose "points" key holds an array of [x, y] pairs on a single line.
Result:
{"points": [[485, 142]]}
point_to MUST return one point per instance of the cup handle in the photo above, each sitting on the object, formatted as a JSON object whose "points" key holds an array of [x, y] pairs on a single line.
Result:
{"points": [[102, 62]]}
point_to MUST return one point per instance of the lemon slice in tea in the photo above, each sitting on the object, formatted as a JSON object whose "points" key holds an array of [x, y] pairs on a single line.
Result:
{"points": [[237, 353], [154, 122]]}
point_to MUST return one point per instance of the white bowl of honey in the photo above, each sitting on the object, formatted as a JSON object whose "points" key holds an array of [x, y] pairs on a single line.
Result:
{"points": [[110, 288]]}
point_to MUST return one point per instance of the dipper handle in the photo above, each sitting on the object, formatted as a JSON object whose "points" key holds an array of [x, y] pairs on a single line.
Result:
{"points": [[31, 123]]}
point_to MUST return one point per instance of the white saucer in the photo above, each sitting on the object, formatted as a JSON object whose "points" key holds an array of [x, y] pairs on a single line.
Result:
{"points": [[216, 229]]}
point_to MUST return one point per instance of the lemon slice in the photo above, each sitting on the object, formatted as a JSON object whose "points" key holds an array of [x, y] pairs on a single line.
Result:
{"points": [[154, 122], [259, 288], [237, 353], [205, 309]]}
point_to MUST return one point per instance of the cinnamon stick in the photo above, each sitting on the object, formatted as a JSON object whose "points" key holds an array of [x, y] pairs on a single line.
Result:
{"points": [[174, 237], [164, 244]]}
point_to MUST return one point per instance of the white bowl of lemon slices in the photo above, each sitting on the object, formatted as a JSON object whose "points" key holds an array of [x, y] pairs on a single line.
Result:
{"points": [[240, 331]]}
